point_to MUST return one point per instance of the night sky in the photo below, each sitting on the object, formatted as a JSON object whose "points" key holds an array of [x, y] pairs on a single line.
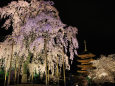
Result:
{"points": [[94, 20]]}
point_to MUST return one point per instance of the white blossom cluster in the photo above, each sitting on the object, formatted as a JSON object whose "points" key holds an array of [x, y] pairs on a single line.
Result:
{"points": [[33, 23], [105, 69]]}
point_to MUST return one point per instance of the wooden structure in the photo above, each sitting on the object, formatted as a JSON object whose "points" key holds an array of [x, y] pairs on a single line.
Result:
{"points": [[84, 60]]}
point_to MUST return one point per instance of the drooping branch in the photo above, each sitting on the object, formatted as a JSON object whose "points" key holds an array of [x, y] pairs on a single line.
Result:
{"points": [[30, 22]]}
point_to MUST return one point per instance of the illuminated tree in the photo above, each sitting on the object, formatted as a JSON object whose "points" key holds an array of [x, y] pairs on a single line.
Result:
{"points": [[105, 69], [32, 23]]}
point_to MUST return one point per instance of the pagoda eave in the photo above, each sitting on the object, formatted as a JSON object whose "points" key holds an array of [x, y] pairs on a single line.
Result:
{"points": [[85, 61], [82, 71], [86, 55], [85, 66]]}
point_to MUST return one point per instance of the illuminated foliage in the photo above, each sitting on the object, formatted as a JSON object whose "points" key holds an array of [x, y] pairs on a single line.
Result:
{"points": [[105, 69], [32, 23]]}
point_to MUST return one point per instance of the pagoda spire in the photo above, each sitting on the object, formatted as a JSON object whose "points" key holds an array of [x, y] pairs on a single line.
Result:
{"points": [[85, 46]]}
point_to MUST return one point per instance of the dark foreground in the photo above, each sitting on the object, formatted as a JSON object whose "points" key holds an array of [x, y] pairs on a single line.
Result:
{"points": [[31, 85]]}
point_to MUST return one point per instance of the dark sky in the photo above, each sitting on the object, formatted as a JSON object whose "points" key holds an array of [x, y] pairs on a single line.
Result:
{"points": [[94, 20]]}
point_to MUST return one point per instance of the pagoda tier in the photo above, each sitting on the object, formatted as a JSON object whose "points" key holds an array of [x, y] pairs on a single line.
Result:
{"points": [[84, 56], [84, 61], [86, 72], [84, 64]]}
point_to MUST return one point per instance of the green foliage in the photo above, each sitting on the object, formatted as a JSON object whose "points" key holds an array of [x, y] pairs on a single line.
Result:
{"points": [[2, 73], [44, 76], [25, 68], [30, 55], [88, 79], [37, 75], [7, 74]]}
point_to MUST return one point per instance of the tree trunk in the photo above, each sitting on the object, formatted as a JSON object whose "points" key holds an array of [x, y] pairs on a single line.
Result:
{"points": [[64, 69], [45, 49], [10, 64]]}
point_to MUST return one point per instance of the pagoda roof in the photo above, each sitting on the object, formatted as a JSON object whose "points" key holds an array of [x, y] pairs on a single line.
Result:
{"points": [[81, 71], [84, 69], [86, 55], [85, 66], [85, 61]]}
